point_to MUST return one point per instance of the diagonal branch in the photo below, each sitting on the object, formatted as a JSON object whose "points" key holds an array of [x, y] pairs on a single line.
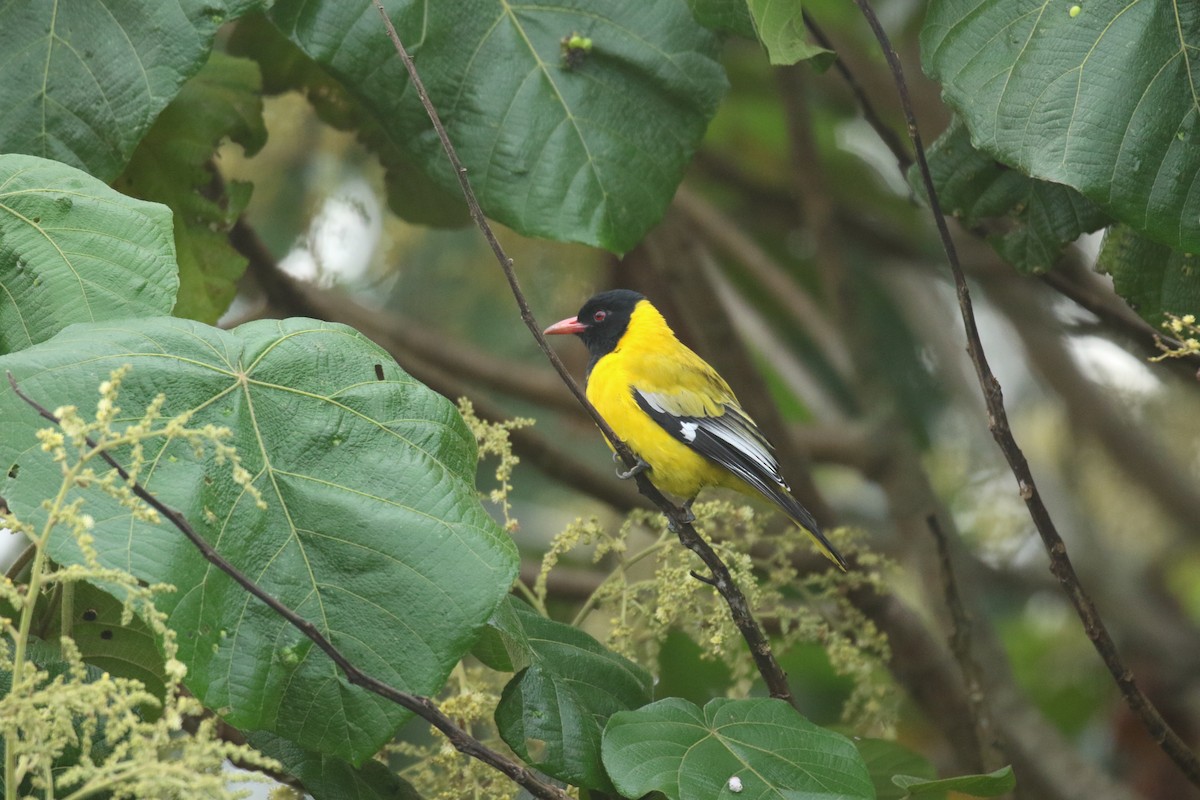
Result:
{"points": [[885, 133], [1060, 564], [421, 706], [739, 608]]}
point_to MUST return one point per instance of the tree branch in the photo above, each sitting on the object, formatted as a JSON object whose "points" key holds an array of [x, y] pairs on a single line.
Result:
{"points": [[422, 706], [960, 644], [513, 378], [885, 133], [727, 238], [760, 648], [1134, 451], [1060, 564]]}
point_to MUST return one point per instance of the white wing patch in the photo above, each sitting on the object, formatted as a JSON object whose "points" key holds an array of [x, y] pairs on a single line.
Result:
{"points": [[724, 434]]}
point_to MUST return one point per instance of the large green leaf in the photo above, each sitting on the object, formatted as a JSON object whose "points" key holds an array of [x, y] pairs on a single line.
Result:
{"points": [[780, 27], [84, 79], [1028, 220], [373, 529], [1104, 99], [411, 194], [886, 759], [725, 16], [172, 165], [552, 713], [688, 753], [993, 784], [126, 650], [328, 778], [590, 151], [74, 250], [1153, 278]]}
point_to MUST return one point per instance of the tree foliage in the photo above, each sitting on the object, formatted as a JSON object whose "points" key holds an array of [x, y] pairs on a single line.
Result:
{"points": [[685, 136]]}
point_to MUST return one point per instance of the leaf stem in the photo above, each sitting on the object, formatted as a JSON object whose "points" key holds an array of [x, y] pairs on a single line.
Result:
{"points": [[590, 603], [530, 597], [12, 778]]}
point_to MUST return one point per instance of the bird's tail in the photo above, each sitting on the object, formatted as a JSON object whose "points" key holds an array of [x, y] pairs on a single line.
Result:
{"points": [[800, 515]]}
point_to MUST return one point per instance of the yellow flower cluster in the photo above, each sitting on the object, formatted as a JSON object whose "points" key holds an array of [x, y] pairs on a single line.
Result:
{"points": [[1184, 342], [129, 742]]}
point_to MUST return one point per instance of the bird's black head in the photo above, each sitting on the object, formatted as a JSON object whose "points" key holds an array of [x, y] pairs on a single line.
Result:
{"points": [[601, 322]]}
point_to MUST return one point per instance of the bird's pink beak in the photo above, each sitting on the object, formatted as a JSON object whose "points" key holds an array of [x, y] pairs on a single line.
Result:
{"points": [[568, 325]]}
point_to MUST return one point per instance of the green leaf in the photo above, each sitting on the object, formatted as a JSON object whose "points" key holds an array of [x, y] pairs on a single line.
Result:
{"points": [[589, 151], [172, 165], [674, 747], [84, 80], [552, 713], [372, 530], [992, 784], [780, 28], [1104, 101], [1151, 277], [503, 645], [886, 759], [329, 778], [724, 16], [412, 194], [74, 250], [124, 650], [1029, 221]]}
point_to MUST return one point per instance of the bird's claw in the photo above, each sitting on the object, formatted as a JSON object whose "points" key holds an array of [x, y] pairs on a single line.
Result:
{"points": [[689, 516], [637, 469], [675, 522]]}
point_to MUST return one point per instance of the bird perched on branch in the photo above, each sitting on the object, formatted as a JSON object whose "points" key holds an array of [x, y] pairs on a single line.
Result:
{"points": [[678, 416]]}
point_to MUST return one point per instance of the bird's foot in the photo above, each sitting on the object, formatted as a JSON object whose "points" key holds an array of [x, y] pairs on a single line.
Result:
{"points": [[689, 516], [637, 469]]}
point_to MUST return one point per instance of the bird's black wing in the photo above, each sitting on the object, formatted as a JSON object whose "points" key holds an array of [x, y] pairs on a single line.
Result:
{"points": [[732, 440]]}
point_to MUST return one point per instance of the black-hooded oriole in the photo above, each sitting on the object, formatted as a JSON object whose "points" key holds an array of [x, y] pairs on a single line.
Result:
{"points": [[674, 411]]}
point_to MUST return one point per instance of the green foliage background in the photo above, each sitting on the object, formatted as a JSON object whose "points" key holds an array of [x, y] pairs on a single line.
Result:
{"points": [[161, 164]]}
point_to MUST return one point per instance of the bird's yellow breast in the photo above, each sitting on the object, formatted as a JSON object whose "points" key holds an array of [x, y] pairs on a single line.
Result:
{"points": [[649, 357]]}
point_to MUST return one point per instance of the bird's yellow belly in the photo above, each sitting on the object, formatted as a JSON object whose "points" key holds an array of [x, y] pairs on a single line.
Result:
{"points": [[674, 467]]}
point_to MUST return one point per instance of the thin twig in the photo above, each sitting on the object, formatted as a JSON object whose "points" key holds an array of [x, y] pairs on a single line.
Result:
{"points": [[729, 239], [960, 645], [872, 117], [20, 562], [422, 706], [1060, 564], [739, 608]]}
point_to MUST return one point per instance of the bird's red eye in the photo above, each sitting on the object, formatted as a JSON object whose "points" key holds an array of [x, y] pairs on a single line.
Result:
{"points": [[599, 316]]}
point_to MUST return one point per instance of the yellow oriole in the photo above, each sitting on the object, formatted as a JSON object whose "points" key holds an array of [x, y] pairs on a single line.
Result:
{"points": [[675, 412]]}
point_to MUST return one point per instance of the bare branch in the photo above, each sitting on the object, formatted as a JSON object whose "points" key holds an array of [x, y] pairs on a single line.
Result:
{"points": [[960, 644], [885, 133], [1060, 564], [727, 238]]}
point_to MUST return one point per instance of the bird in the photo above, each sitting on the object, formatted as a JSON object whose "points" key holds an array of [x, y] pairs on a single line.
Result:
{"points": [[677, 415]]}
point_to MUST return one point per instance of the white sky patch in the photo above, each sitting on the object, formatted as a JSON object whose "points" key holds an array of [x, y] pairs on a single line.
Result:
{"points": [[11, 545], [856, 136], [1108, 364], [342, 237]]}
